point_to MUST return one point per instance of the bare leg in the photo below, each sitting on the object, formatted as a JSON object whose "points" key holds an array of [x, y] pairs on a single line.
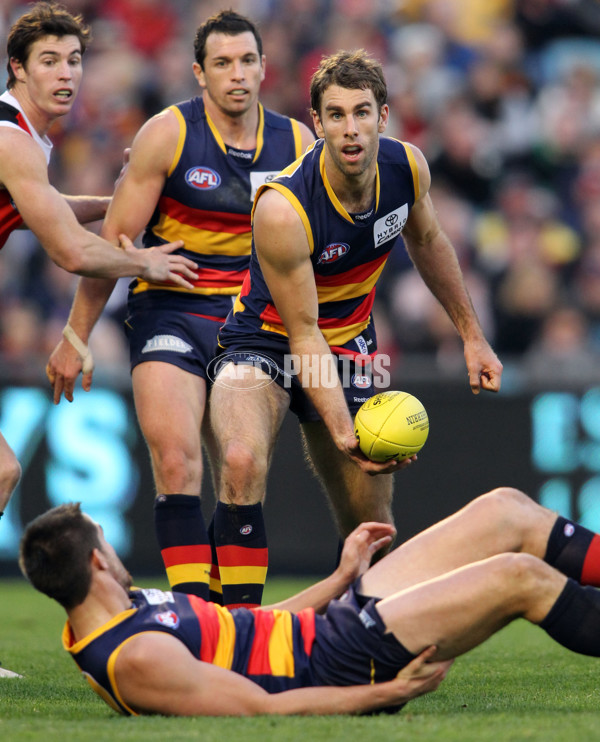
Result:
{"points": [[245, 420], [503, 520], [10, 472], [458, 611], [247, 410], [170, 406], [354, 495]]}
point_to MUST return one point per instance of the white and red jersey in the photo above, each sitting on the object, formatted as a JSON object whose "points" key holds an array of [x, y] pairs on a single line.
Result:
{"points": [[12, 116]]}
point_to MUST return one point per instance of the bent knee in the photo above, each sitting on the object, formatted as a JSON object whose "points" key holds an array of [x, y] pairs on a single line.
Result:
{"points": [[176, 471], [520, 572], [243, 468], [502, 504]]}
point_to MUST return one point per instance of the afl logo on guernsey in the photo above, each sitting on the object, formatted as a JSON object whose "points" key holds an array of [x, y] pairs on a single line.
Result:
{"points": [[203, 178], [333, 252], [361, 381], [167, 618]]}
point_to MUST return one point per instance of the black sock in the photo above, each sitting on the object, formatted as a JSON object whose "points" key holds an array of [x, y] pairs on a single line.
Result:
{"points": [[574, 619], [574, 551]]}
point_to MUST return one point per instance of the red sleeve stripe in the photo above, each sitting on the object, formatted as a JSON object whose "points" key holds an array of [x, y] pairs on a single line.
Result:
{"points": [[307, 626], [360, 314], [213, 277], [270, 315], [258, 662], [211, 221], [209, 627], [354, 275]]}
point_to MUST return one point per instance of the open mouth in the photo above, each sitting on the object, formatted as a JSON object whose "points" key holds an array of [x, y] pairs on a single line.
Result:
{"points": [[64, 94], [352, 151]]}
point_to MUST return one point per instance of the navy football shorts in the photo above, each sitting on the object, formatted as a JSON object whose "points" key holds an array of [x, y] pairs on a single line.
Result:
{"points": [[351, 646], [273, 357], [185, 340]]}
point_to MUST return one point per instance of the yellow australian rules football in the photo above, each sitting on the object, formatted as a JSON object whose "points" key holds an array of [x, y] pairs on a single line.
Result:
{"points": [[391, 425]]}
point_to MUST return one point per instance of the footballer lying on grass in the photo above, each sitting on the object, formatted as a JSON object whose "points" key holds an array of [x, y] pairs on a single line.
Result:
{"points": [[390, 636]]}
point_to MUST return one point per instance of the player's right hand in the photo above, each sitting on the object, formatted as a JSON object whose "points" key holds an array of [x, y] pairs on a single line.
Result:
{"points": [[351, 448], [63, 368], [421, 675], [161, 266]]}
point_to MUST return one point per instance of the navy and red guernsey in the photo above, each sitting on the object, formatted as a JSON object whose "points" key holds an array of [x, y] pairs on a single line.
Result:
{"points": [[276, 649], [11, 116], [348, 252], [207, 202]]}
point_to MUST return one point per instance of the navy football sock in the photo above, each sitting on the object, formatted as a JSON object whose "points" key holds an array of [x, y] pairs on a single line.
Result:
{"points": [[216, 591], [574, 619], [241, 544], [183, 542], [574, 551]]}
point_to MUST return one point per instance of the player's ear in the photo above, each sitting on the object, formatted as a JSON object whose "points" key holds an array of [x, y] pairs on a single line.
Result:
{"points": [[18, 69], [99, 560], [263, 67], [199, 75], [384, 116], [318, 126]]}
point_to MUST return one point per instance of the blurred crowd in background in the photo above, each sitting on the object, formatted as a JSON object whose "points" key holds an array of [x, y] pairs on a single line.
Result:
{"points": [[503, 98]]}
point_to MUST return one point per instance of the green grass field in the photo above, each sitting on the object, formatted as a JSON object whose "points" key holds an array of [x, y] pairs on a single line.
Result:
{"points": [[519, 686]]}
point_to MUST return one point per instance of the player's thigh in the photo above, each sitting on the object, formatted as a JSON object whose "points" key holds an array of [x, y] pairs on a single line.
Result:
{"points": [[170, 405], [354, 495], [459, 610], [247, 408]]}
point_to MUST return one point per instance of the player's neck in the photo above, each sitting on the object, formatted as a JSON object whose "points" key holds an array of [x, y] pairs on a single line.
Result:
{"points": [[99, 607], [238, 132], [39, 119], [355, 192]]}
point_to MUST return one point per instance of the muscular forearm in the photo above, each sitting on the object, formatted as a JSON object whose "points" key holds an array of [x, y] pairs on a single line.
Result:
{"points": [[89, 302], [316, 596], [329, 700], [317, 371], [438, 265], [88, 208]]}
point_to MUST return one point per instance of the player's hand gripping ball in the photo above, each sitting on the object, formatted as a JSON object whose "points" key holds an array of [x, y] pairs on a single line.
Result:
{"points": [[391, 425]]}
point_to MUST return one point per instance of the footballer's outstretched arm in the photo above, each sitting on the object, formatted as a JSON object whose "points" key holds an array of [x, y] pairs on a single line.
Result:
{"points": [[156, 674], [284, 254]]}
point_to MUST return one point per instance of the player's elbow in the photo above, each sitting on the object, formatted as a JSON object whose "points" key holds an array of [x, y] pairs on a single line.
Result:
{"points": [[72, 261]]}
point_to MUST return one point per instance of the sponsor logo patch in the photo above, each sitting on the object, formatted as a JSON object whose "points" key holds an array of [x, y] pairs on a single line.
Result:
{"points": [[203, 178], [166, 342], [366, 620], [260, 177], [362, 345], [157, 597], [246, 530], [390, 225]]}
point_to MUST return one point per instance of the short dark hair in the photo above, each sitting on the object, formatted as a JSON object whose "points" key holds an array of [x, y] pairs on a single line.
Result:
{"points": [[227, 22], [348, 69], [55, 553], [44, 19]]}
